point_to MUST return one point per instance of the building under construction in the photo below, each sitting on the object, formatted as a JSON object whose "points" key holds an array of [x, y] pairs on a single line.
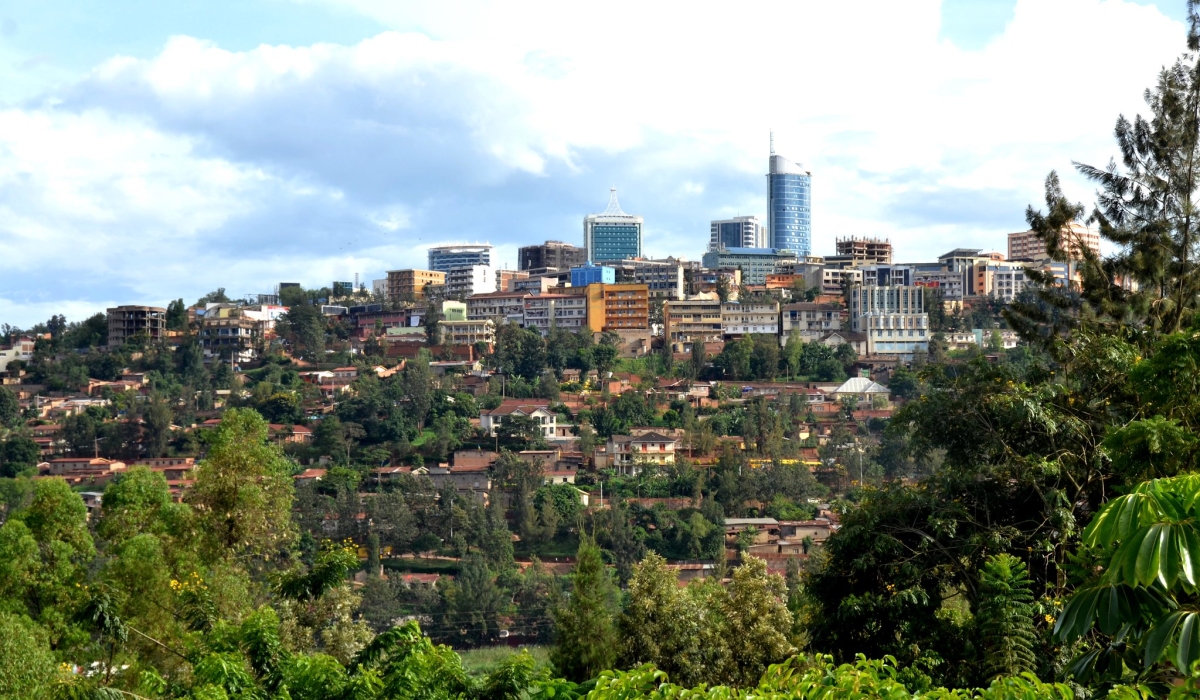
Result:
{"points": [[865, 251]]}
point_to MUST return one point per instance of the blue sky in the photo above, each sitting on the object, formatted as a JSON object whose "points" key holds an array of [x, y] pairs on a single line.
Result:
{"points": [[151, 150]]}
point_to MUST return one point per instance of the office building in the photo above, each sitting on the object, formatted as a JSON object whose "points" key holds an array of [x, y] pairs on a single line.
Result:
{"points": [[965, 261], [126, 322], [738, 232], [504, 278], [1074, 239], [933, 276], [451, 257], [755, 263], [789, 205], [1002, 280], [887, 275], [612, 234], [588, 273], [618, 307], [664, 278], [474, 279], [893, 319], [407, 285], [865, 251], [556, 254]]}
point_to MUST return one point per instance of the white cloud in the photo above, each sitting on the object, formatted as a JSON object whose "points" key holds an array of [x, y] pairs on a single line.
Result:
{"points": [[201, 167]]}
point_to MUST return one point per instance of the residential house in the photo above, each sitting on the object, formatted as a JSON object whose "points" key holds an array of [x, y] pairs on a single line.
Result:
{"points": [[627, 452], [539, 411]]}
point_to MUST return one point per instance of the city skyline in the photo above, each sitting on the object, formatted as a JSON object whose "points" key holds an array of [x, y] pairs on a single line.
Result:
{"points": [[140, 146]]}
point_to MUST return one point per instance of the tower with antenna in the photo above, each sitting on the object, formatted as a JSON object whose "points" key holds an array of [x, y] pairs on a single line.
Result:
{"points": [[612, 234]]}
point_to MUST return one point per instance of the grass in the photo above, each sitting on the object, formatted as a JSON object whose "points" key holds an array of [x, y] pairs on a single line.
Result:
{"points": [[422, 438], [479, 662]]}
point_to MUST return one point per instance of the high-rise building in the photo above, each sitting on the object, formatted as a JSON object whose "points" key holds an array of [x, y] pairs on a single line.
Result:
{"points": [[755, 263], [445, 258], [789, 205], [612, 234], [738, 232], [1074, 238], [554, 254]]}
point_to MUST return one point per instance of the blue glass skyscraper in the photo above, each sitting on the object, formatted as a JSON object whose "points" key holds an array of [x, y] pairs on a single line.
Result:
{"points": [[789, 206]]}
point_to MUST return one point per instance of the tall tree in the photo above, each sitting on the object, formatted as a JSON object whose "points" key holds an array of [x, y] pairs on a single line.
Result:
{"points": [[586, 641], [243, 491]]}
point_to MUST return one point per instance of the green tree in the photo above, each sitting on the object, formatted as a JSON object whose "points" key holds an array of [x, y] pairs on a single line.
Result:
{"points": [[474, 604], [756, 610], [243, 491], [176, 316], [10, 407], [586, 640], [661, 624], [18, 455], [27, 668], [1005, 614]]}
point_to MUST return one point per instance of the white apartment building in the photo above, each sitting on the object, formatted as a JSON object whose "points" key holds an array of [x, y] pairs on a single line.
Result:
{"points": [[753, 317], [546, 311], [472, 279], [893, 319], [467, 332], [1003, 280], [21, 349], [500, 307], [810, 320]]}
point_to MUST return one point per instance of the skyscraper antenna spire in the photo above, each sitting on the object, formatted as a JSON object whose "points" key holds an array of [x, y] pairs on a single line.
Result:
{"points": [[772, 142], [613, 209]]}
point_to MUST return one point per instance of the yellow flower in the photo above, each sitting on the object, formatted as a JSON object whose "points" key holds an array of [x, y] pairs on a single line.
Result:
{"points": [[1049, 619]]}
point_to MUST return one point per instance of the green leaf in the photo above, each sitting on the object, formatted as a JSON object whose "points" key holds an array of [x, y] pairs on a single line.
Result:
{"points": [[1160, 635], [1188, 649], [1148, 556]]}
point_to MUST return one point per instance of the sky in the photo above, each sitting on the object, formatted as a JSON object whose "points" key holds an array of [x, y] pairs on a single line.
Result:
{"points": [[152, 151]]}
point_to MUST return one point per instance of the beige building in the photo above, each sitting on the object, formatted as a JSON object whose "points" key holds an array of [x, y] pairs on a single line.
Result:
{"points": [[125, 322], [565, 311], [692, 319], [467, 332], [403, 285], [1025, 245], [752, 317]]}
